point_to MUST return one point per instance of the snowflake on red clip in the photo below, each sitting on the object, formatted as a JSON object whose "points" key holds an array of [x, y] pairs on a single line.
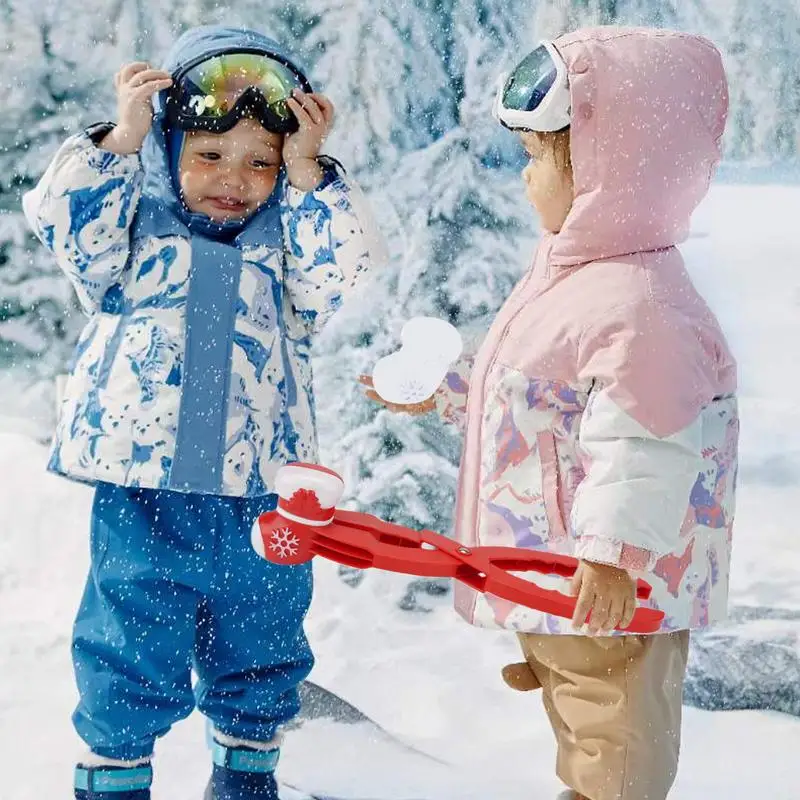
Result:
{"points": [[284, 542]]}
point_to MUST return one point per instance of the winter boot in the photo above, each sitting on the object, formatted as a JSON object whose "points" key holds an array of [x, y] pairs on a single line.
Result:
{"points": [[113, 783], [242, 773]]}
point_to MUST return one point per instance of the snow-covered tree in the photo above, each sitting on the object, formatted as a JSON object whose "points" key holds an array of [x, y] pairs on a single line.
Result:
{"points": [[379, 63], [557, 16], [763, 62], [486, 40], [283, 21], [57, 63]]}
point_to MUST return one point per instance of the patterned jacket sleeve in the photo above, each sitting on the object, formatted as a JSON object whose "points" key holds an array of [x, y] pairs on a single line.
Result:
{"points": [[82, 210], [331, 243], [451, 397], [641, 435]]}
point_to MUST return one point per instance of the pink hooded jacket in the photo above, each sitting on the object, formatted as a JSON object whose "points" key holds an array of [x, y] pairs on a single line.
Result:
{"points": [[600, 414]]}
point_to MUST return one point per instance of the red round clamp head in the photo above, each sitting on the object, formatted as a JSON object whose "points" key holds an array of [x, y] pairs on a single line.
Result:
{"points": [[282, 541], [307, 497]]}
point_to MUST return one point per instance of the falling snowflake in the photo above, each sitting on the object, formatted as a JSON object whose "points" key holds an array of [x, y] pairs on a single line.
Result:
{"points": [[284, 543]]}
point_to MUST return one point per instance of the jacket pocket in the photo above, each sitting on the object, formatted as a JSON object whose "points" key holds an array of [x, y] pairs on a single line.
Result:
{"points": [[551, 484]]}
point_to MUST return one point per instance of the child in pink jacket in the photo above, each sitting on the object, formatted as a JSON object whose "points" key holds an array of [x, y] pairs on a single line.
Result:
{"points": [[600, 413]]}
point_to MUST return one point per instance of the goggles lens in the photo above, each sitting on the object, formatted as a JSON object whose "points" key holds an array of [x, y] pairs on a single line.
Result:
{"points": [[530, 81], [210, 90]]}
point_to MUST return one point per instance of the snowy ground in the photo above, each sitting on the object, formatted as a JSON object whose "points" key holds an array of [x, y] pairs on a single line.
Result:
{"points": [[430, 679]]}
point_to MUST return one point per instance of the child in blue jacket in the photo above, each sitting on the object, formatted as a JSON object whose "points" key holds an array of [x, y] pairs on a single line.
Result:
{"points": [[206, 242]]}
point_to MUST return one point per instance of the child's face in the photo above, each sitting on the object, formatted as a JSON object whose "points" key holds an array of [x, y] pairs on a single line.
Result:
{"points": [[549, 185], [227, 176]]}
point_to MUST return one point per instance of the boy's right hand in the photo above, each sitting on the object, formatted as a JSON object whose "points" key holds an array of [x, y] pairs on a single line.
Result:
{"points": [[136, 84], [416, 409]]}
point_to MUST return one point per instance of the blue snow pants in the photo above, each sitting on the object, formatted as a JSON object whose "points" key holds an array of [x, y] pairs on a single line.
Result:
{"points": [[174, 586]]}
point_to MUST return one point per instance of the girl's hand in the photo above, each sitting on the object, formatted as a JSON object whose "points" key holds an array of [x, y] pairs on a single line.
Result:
{"points": [[136, 84], [314, 114], [416, 409], [609, 593]]}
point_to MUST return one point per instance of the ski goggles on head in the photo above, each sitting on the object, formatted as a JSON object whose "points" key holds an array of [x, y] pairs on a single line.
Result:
{"points": [[215, 93], [535, 95]]}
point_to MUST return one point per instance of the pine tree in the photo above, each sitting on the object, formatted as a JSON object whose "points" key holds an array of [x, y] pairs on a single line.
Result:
{"points": [[554, 17], [57, 68], [379, 64], [763, 62], [282, 21]]}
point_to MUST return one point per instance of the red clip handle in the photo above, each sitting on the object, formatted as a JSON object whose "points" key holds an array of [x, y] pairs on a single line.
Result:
{"points": [[364, 541]]}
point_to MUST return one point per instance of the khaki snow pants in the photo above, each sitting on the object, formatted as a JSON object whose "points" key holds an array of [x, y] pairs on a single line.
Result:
{"points": [[615, 707]]}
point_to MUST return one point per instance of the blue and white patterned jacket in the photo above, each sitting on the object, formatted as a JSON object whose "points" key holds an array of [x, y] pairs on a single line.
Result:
{"points": [[193, 372]]}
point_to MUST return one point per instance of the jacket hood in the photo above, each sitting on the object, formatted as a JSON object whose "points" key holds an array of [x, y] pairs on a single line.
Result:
{"points": [[648, 112], [161, 151]]}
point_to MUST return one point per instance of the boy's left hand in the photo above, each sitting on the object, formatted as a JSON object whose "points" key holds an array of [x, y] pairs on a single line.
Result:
{"points": [[609, 593], [314, 113]]}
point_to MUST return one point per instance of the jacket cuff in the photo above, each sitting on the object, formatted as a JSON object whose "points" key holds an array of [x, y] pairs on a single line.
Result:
{"points": [[99, 131], [82, 146], [295, 197], [451, 399], [615, 553]]}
